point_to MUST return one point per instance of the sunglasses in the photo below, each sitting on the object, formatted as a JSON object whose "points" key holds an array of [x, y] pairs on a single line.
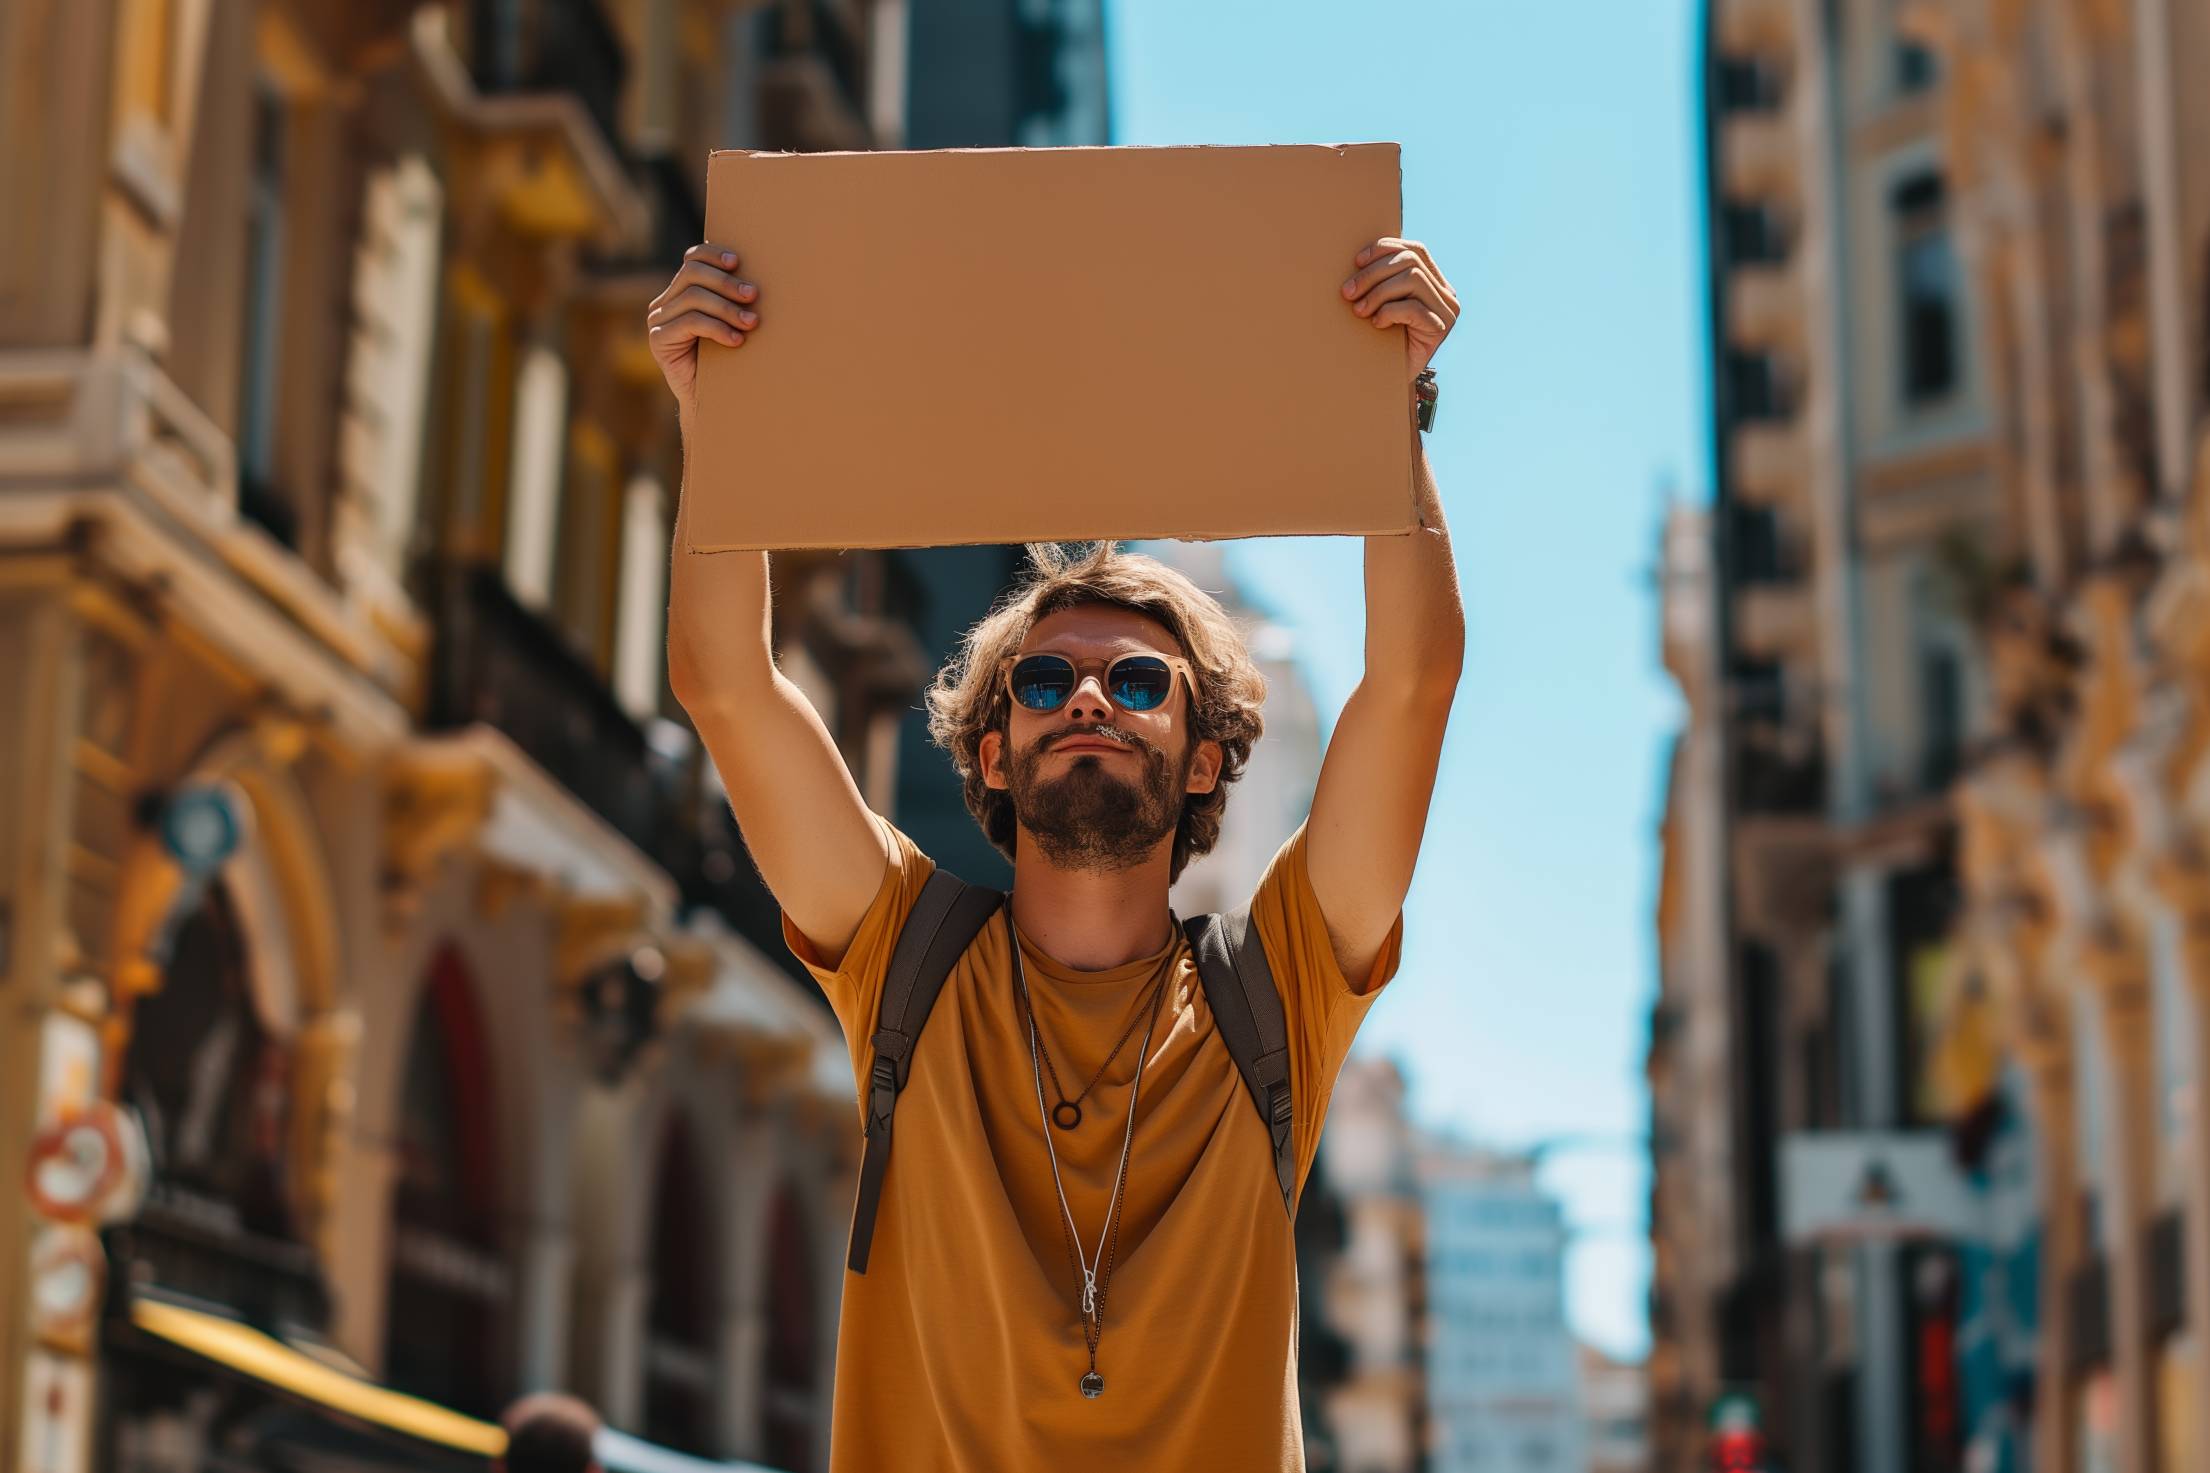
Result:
{"points": [[1044, 683]]}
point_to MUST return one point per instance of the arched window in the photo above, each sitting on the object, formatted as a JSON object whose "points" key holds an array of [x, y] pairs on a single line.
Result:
{"points": [[788, 1398], [450, 1285], [213, 1085], [682, 1333]]}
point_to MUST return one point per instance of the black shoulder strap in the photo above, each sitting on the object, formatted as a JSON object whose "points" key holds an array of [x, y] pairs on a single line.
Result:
{"points": [[1246, 1007], [937, 930]]}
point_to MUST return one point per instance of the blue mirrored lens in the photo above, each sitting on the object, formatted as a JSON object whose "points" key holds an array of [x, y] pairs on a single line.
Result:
{"points": [[1142, 683], [1043, 682]]}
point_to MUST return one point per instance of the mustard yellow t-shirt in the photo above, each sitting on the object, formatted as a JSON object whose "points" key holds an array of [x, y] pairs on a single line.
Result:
{"points": [[961, 1348]]}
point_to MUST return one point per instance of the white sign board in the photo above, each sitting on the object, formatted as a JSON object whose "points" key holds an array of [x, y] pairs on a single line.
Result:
{"points": [[1838, 1184]]}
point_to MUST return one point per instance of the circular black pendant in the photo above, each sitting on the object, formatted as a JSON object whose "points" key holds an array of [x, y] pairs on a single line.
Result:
{"points": [[1093, 1385], [1066, 1114]]}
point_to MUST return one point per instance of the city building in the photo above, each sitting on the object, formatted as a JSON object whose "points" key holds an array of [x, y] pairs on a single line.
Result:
{"points": [[1374, 1285], [383, 972], [1958, 294], [1691, 1070], [1615, 1413], [1503, 1372]]}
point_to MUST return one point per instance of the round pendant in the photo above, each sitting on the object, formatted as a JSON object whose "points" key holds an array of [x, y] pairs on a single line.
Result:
{"points": [[1066, 1114], [1093, 1385]]}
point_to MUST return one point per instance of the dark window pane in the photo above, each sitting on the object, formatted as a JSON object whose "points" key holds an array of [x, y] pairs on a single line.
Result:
{"points": [[1758, 556], [1928, 288], [1746, 84], [1943, 683], [1916, 67], [259, 499], [1754, 387], [1751, 234]]}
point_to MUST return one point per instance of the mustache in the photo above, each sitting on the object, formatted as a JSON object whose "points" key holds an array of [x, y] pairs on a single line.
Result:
{"points": [[1113, 734]]}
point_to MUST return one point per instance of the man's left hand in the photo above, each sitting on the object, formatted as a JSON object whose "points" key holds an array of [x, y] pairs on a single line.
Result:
{"points": [[1397, 284]]}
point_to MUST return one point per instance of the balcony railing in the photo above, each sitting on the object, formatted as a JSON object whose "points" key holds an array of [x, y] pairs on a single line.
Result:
{"points": [[551, 46], [194, 1246], [497, 663]]}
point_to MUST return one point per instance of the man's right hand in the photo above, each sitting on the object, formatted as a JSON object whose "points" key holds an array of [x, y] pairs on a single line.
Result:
{"points": [[706, 301], [803, 819]]}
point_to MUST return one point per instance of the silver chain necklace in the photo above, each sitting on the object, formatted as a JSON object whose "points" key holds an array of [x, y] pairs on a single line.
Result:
{"points": [[1092, 1383]]}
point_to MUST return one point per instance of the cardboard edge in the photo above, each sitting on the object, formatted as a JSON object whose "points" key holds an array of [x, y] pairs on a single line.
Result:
{"points": [[1183, 536], [870, 153]]}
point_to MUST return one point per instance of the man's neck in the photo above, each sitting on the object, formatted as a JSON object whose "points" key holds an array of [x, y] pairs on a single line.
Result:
{"points": [[1091, 920]]}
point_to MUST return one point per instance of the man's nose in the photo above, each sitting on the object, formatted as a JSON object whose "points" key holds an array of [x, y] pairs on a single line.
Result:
{"points": [[1089, 695]]}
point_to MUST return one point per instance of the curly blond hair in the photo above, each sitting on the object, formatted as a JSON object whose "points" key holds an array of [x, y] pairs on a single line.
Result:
{"points": [[968, 700]]}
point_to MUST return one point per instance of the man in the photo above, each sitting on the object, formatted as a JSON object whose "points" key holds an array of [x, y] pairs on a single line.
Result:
{"points": [[549, 1433], [1117, 1289]]}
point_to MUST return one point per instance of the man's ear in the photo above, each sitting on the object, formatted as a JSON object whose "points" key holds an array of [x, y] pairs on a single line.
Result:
{"points": [[1204, 768], [991, 755]]}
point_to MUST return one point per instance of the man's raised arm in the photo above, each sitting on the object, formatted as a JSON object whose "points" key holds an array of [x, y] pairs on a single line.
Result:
{"points": [[1369, 810], [803, 819]]}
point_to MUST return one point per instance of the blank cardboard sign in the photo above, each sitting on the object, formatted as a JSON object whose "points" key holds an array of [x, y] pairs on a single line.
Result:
{"points": [[1013, 345]]}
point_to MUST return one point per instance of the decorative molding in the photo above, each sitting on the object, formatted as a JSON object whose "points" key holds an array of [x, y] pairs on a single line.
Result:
{"points": [[589, 932], [433, 805]]}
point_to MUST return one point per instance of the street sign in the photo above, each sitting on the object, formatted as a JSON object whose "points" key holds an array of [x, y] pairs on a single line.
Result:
{"points": [[1875, 1185]]}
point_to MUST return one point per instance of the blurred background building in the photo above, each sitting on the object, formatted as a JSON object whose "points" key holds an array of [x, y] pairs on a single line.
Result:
{"points": [[1930, 1189], [1503, 1375], [1373, 1288], [1435, 1333], [348, 832]]}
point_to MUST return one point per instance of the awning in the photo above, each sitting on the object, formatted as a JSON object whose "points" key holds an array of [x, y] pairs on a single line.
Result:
{"points": [[250, 1353]]}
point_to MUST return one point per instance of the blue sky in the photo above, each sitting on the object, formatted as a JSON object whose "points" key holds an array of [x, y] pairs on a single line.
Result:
{"points": [[1550, 162]]}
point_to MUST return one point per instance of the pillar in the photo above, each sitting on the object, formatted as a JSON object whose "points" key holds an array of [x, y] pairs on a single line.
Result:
{"points": [[2120, 979]]}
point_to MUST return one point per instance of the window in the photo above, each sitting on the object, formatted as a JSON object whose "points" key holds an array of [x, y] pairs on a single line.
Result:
{"points": [[1916, 67], [395, 305], [259, 375], [683, 1369], [1927, 287], [533, 501], [1751, 234], [1941, 678], [1757, 551], [1746, 84], [639, 640], [1755, 387]]}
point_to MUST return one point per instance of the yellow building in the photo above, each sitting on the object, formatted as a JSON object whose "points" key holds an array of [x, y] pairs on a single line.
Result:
{"points": [[347, 836], [1952, 669]]}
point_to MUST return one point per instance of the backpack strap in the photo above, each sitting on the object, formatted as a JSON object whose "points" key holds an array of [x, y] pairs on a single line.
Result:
{"points": [[1247, 1009], [936, 933]]}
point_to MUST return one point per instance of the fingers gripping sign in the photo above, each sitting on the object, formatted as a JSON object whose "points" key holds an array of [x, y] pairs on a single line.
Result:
{"points": [[705, 302], [1396, 283]]}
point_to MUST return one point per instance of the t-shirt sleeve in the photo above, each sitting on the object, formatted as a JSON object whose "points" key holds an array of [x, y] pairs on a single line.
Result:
{"points": [[854, 985], [1322, 1007]]}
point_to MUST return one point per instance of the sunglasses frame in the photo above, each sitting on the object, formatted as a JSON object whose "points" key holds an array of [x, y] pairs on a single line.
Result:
{"points": [[1007, 664]]}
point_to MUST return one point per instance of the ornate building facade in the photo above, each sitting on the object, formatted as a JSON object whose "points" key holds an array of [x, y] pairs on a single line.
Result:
{"points": [[1959, 268], [353, 856]]}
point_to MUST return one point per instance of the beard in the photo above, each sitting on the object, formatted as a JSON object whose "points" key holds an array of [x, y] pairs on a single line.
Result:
{"points": [[1090, 817]]}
